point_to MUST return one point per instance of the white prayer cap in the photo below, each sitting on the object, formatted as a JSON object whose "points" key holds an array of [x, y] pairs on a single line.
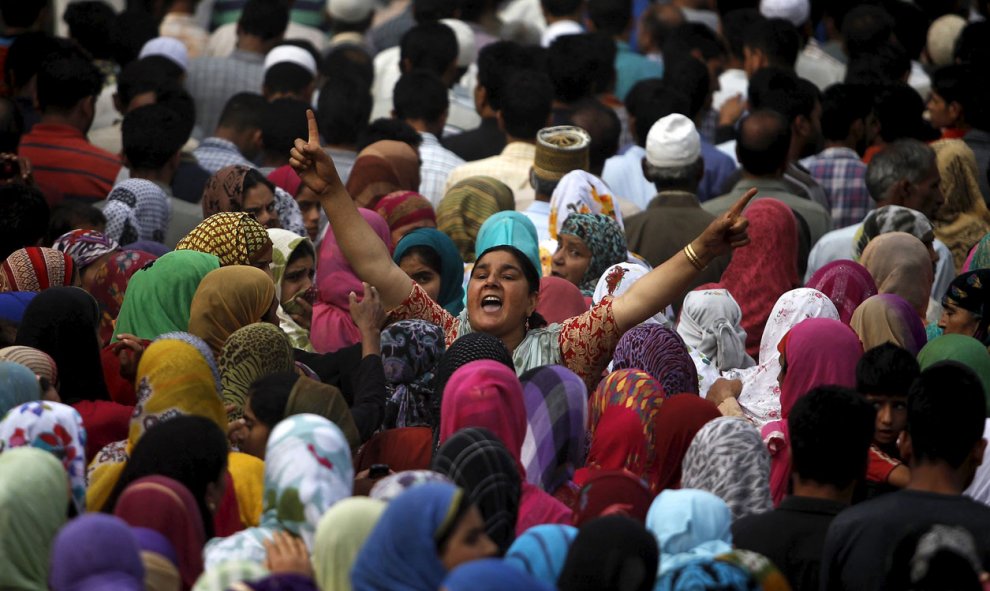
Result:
{"points": [[467, 51], [795, 11], [350, 11], [293, 55], [168, 47], [942, 36], [673, 142]]}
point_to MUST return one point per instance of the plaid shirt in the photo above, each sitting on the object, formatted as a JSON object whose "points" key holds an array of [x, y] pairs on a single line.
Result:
{"points": [[436, 164], [213, 80], [214, 153], [843, 176]]}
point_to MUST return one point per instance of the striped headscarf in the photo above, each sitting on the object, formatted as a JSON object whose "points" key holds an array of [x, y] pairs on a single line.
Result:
{"points": [[383, 167], [467, 205], [137, 209], [37, 268], [85, 246], [661, 352], [556, 433], [233, 237], [38, 361], [893, 218], [603, 237], [404, 208], [254, 351], [481, 465]]}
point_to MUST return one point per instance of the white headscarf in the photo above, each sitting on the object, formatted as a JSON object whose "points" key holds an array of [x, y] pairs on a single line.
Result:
{"points": [[710, 322], [616, 281], [581, 192], [137, 209]]}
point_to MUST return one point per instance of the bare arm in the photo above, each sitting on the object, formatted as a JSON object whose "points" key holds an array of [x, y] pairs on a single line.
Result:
{"points": [[365, 252], [666, 283]]}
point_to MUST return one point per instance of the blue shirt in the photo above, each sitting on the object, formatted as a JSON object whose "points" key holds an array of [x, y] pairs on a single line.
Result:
{"points": [[630, 68]]}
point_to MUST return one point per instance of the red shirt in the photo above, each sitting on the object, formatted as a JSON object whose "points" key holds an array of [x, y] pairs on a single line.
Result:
{"points": [[66, 165]]}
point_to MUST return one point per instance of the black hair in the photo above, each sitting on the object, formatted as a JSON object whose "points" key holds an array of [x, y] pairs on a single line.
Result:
{"points": [[910, 27], [90, 24], [269, 395], [580, 66], [151, 135], [734, 27], [472, 10], [886, 370], [604, 127], [348, 64], [973, 44], [693, 78], [887, 63], [175, 97], [610, 17], [781, 91], [865, 29], [21, 13], [389, 129], [266, 19], [131, 30], [11, 126], [960, 83], [422, 95], [24, 217], [899, 109], [71, 215], [817, 453], [303, 249], [253, 178], [843, 105], [777, 38], [429, 257], [651, 100], [343, 109], [430, 46], [243, 111], [283, 121], [689, 38], [496, 63], [198, 462], [560, 7], [138, 77], [287, 78], [764, 141], [24, 57], [946, 410], [433, 10], [526, 109], [67, 76]]}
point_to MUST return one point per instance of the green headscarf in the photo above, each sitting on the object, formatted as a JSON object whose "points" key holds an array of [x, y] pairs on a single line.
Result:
{"points": [[962, 349], [340, 534], [159, 296], [284, 243], [451, 266], [34, 498]]}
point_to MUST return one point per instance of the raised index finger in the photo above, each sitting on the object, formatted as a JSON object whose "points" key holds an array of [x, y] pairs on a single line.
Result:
{"points": [[740, 205], [314, 133]]}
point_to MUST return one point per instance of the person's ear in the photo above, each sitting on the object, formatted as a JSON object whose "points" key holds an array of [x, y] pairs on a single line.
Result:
{"points": [[979, 450], [900, 192], [534, 300], [802, 125], [955, 111], [858, 129], [904, 446], [405, 65], [501, 121]]}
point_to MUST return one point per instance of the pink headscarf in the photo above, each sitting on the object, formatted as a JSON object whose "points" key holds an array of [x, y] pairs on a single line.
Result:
{"points": [[285, 178], [559, 300], [817, 352], [488, 394], [332, 327], [846, 283]]}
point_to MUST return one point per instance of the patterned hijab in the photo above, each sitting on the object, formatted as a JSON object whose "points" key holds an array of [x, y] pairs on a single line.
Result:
{"points": [[963, 219], [727, 457], [901, 264], [389, 488], [603, 237], [556, 425], [56, 428], [451, 295], [137, 209], [251, 352], [661, 352], [467, 205], [403, 208], [581, 192], [846, 283], [689, 525], [341, 533], [37, 268], [233, 237], [411, 350], [285, 243], [617, 279], [227, 299], [383, 167], [224, 190], [109, 285], [481, 465], [85, 246], [979, 257], [541, 551], [971, 291], [679, 420], [711, 322], [37, 361], [893, 218], [18, 385], [889, 318], [159, 295], [307, 469]]}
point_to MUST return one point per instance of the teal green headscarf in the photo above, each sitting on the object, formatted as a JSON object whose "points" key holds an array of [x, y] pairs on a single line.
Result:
{"points": [[962, 349], [511, 228], [159, 296], [451, 266], [18, 385]]}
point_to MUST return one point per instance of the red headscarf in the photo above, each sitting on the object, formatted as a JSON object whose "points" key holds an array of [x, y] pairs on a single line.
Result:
{"points": [[618, 443], [37, 268], [403, 208], [285, 178], [613, 492], [559, 300], [848, 284], [678, 421], [382, 168]]}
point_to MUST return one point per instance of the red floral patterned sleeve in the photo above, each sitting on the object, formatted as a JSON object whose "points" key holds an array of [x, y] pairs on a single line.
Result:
{"points": [[419, 306], [588, 341]]}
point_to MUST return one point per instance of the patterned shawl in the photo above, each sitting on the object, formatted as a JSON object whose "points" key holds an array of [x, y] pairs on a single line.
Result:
{"points": [[580, 192], [963, 219], [660, 352], [846, 283], [465, 208], [224, 190], [137, 209], [284, 243], [109, 284], [85, 246], [37, 268], [556, 432], [234, 238], [604, 238], [411, 350], [893, 218], [251, 352]]}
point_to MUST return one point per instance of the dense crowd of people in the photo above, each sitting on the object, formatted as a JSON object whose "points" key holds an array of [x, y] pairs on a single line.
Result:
{"points": [[586, 295]]}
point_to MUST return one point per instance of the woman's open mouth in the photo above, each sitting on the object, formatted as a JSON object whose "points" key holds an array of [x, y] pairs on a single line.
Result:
{"points": [[491, 303]]}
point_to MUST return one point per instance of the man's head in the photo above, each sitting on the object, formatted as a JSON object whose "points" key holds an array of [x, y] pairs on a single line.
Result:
{"points": [[240, 122], [865, 29], [290, 72], [735, 25], [673, 159], [263, 22], [651, 100], [612, 18], [432, 47], [604, 127], [152, 137], [562, 8], [24, 59], [23, 217], [284, 120], [526, 105], [428, 11], [884, 376], [68, 84], [946, 411], [847, 116], [771, 42], [389, 129], [764, 140], [73, 215], [343, 110], [797, 100], [899, 111], [694, 79], [90, 23], [655, 25], [350, 15], [581, 66], [559, 150], [697, 41], [906, 173], [830, 430], [22, 15], [496, 62], [420, 99]]}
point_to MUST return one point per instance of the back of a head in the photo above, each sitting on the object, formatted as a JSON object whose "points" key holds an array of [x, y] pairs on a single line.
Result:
{"points": [[65, 78], [90, 23], [604, 127], [265, 19], [886, 64], [899, 109], [496, 62], [429, 46], [973, 45], [865, 29], [580, 66], [350, 61], [177, 98], [24, 57], [389, 129], [842, 106], [693, 79], [11, 126], [420, 95], [343, 110], [243, 111], [735, 24], [151, 135], [131, 30], [651, 100], [908, 159], [818, 452], [428, 11], [779, 90], [946, 411], [610, 17], [138, 77], [284, 120], [73, 215], [693, 39], [887, 370], [527, 108], [777, 39], [287, 78], [910, 27], [561, 7], [23, 217], [763, 144], [21, 14], [960, 83]]}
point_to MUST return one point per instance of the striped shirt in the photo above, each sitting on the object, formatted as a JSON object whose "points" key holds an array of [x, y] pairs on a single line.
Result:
{"points": [[66, 166]]}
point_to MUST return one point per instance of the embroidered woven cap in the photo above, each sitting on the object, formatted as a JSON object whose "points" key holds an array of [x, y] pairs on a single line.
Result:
{"points": [[560, 150]]}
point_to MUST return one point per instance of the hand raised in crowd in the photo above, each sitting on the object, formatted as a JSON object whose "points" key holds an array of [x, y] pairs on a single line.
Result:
{"points": [[286, 553], [129, 350], [727, 232], [311, 162], [368, 313]]}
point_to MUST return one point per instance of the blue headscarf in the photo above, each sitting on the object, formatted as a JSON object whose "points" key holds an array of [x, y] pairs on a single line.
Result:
{"points": [[491, 574], [451, 266], [18, 385], [401, 552], [541, 551], [511, 228], [689, 525], [13, 304], [707, 573]]}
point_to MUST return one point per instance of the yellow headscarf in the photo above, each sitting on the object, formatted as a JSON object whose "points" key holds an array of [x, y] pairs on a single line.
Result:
{"points": [[233, 237], [227, 299], [963, 219], [340, 534]]}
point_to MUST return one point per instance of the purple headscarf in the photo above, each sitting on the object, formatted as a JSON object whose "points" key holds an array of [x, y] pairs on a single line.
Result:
{"points": [[94, 552], [660, 352], [846, 283], [556, 424]]}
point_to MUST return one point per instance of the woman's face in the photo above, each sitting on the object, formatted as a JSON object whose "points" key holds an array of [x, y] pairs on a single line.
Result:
{"points": [[956, 320], [309, 205], [259, 201], [401, 231], [263, 259], [499, 300], [427, 277], [467, 542], [256, 439], [572, 259], [298, 277]]}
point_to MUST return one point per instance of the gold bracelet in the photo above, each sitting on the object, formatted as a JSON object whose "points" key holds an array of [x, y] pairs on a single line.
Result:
{"points": [[692, 257]]}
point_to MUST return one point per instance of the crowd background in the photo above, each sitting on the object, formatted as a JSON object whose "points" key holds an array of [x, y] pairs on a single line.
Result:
{"points": [[489, 294]]}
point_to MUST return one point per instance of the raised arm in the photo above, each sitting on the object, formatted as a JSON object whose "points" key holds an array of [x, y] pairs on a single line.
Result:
{"points": [[365, 252], [666, 283]]}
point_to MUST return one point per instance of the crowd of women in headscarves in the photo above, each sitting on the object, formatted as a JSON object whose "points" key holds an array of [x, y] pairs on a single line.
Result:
{"points": [[410, 398]]}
